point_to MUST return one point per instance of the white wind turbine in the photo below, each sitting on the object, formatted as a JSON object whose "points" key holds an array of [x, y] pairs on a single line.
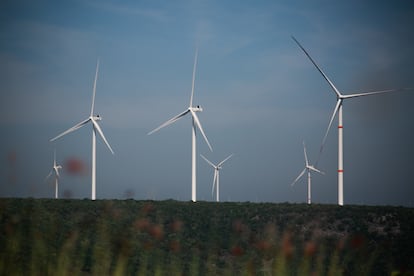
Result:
{"points": [[338, 109], [95, 128], [216, 179], [55, 171], [195, 123], [308, 168]]}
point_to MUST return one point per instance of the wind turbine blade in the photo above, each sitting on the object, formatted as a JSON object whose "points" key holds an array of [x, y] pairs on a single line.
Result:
{"points": [[304, 152], [81, 124], [370, 93], [170, 121], [299, 176], [338, 103], [98, 128], [58, 167], [193, 80], [319, 69], [49, 174], [57, 172], [94, 87], [316, 170], [197, 121], [208, 161], [214, 182], [228, 157]]}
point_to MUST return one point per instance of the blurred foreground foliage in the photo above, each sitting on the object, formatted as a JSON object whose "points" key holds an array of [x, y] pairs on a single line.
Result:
{"points": [[128, 237]]}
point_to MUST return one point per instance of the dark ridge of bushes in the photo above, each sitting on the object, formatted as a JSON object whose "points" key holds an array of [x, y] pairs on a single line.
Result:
{"points": [[118, 237]]}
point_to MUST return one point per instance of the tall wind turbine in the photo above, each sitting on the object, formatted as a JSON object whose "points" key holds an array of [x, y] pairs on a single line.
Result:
{"points": [[338, 109], [55, 171], [216, 179], [308, 168], [195, 123], [95, 128]]}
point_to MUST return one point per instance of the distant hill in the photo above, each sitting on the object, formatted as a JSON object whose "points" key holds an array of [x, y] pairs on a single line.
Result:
{"points": [[128, 237]]}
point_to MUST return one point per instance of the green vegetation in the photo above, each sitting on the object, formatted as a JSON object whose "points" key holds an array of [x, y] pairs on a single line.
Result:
{"points": [[127, 237]]}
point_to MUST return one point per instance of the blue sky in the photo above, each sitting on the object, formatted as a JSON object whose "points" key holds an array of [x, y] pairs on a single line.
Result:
{"points": [[260, 94]]}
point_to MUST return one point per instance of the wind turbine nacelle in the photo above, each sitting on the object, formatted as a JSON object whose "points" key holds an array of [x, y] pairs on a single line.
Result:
{"points": [[97, 118], [197, 108]]}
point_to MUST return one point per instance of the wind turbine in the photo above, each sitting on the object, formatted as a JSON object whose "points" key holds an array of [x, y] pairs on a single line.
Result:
{"points": [[216, 179], [195, 123], [308, 168], [338, 109], [95, 128], [55, 171]]}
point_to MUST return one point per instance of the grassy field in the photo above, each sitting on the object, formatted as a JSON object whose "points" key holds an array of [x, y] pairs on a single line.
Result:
{"points": [[128, 237]]}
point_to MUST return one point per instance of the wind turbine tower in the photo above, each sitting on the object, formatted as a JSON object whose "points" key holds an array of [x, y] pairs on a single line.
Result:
{"points": [[195, 123], [216, 178], [95, 128], [338, 109], [308, 168], [55, 171]]}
